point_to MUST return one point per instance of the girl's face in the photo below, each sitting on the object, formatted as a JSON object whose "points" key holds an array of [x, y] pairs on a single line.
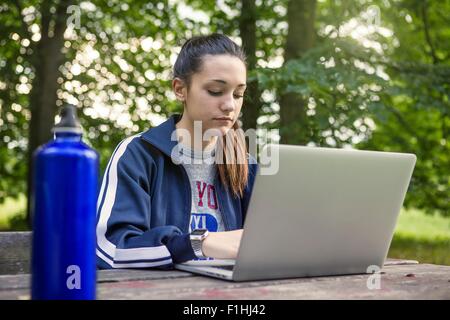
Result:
{"points": [[216, 93]]}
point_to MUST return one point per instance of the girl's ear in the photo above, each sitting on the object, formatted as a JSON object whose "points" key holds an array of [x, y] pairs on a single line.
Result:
{"points": [[179, 89]]}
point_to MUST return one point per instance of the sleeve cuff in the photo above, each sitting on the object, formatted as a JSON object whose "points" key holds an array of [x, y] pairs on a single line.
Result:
{"points": [[180, 248]]}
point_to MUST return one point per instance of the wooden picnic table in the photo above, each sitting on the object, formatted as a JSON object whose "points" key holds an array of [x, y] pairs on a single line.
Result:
{"points": [[399, 279]]}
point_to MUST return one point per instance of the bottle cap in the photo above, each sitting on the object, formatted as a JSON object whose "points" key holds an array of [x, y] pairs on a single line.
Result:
{"points": [[69, 120]]}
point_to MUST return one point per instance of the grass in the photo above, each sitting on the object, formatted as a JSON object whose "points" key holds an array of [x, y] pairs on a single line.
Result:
{"points": [[418, 236], [12, 214], [421, 237]]}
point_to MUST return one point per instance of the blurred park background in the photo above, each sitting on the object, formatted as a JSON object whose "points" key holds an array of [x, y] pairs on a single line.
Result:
{"points": [[371, 75]]}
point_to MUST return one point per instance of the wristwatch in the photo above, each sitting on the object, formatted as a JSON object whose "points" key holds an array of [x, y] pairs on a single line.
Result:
{"points": [[197, 236]]}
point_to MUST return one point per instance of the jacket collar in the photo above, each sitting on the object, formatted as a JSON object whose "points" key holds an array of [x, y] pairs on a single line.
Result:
{"points": [[161, 136]]}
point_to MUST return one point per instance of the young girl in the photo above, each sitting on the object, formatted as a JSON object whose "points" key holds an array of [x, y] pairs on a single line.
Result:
{"points": [[166, 199]]}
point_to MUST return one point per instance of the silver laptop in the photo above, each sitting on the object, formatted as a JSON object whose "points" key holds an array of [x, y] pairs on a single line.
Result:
{"points": [[323, 211]]}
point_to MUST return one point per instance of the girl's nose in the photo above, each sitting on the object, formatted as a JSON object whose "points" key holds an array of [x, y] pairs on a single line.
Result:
{"points": [[228, 104]]}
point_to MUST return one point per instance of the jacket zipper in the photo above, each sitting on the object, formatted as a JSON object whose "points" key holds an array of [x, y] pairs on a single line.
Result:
{"points": [[224, 216], [189, 209]]}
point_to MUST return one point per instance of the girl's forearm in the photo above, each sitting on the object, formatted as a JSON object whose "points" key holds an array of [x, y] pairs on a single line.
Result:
{"points": [[222, 245]]}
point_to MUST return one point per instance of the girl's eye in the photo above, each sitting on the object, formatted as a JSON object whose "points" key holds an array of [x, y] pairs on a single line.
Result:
{"points": [[213, 93]]}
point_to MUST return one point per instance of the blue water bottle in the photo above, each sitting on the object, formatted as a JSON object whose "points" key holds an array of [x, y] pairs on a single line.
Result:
{"points": [[63, 207]]}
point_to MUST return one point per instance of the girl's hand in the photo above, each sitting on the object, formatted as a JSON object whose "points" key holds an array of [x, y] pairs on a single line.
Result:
{"points": [[222, 245]]}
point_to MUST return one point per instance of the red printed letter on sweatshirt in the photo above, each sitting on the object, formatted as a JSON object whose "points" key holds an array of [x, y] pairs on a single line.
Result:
{"points": [[212, 196], [201, 192]]}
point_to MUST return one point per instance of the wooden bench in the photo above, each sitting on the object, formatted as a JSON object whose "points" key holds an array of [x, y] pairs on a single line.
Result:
{"points": [[399, 279]]}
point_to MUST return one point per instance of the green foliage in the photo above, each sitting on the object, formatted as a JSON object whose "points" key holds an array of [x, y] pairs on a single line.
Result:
{"points": [[417, 107], [387, 90], [12, 214], [383, 92], [339, 93]]}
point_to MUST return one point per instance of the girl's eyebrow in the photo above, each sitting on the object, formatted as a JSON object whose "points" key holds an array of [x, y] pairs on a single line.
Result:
{"points": [[224, 82]]}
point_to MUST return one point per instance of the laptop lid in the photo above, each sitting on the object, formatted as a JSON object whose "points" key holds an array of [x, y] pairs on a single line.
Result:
{"points": [[323, 211]]}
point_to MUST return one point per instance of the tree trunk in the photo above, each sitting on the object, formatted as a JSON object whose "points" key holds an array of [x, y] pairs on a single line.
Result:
{"points": [[247, 28], [47, 60], [293, 119]]}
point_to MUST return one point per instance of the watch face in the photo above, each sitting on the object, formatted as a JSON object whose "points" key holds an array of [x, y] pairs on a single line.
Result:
{"points": [[198, 232]]}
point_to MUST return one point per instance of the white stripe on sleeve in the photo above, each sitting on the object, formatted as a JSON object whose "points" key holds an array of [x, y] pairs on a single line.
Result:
{"points": [[122, 255]]}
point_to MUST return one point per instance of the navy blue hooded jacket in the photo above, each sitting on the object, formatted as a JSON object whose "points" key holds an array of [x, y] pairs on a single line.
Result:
{"points": [[144, 204]]}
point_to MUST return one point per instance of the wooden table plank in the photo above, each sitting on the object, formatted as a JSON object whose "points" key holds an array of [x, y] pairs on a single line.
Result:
{"points": [[398, 281], [428, 282], [15, 252], [22, 281]]}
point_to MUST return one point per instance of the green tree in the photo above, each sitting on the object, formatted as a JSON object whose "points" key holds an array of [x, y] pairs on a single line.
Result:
{"points": [[368, 74], [376, 78]]}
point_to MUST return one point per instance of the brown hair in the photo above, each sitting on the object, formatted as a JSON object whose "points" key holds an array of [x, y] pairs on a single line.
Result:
{"points": [[233, 167]]}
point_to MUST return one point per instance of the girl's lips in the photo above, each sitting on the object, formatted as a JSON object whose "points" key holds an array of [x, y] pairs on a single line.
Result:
{"points": [[223, 119]]}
